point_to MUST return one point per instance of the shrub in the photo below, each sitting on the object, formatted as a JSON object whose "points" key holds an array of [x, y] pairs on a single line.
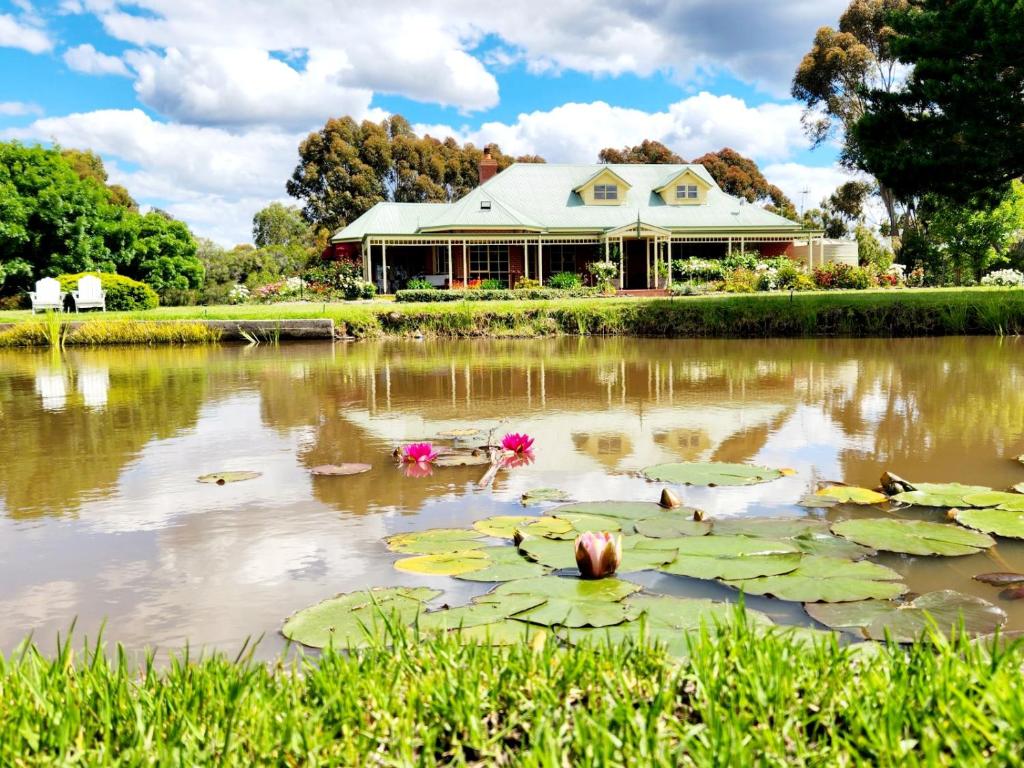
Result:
{"points": [[466, 285], [565, 280], [741, 281], [339, 279], [123, 293], [419, 284], [491, 284], [741, 260], [603, 273], [504, 294], [527, 283], [839, 275], [1007, 277], [697, 270]]}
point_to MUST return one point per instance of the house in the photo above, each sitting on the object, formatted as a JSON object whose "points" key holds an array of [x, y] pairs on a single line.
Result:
{"points": [[535, 220]]}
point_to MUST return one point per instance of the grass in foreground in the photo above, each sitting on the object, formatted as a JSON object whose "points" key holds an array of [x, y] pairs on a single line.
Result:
{"points": [[740, 700]]}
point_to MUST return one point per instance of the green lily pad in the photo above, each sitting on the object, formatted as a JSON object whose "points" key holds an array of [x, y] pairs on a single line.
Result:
{"points": [[620, 510], [711, 473], [221, 478], [356, 619], [846, 494], [675, 642], [1001, 522], [582, 523], [809, 534], [913, 537], [541, 495], [571, 602], [476, 614], [548, 527], [340, 470], [503, 526], [672, 528], [817, 502], [435, 541], [829, 580], [445, 563], [462, 459], [504, 632], [691, 613], [906, 622], [728, 557], [939, 494], [1001, 499], [504, 564], [562, 553]]}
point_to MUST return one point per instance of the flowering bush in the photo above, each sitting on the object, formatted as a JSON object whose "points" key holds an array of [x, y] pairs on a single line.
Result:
{"points": [[466, 284], [839, 275], [238, 294], [1006, 277], [603, 272], [339, 279], [697, 270], [741, 281]]}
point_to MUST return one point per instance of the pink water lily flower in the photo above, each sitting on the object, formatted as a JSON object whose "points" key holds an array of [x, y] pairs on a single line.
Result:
{"points": [[419, 453], [517, 443], [598, 554]]}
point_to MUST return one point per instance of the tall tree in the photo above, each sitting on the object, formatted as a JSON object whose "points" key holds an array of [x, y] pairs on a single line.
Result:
{"points": [[647, 151], [834, 77], [346, 168], [956, 128], [738, 175], [89, 165], [279, 224]]}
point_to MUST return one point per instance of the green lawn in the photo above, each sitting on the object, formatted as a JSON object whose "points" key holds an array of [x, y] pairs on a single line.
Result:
{"points": [[907, 312], [741, 699]]}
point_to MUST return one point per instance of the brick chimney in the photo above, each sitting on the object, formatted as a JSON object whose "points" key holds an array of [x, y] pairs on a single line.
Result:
{"points": [[488, 166]]}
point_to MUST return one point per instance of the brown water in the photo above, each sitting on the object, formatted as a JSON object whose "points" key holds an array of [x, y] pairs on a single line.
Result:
{"points": [[101, 517]]}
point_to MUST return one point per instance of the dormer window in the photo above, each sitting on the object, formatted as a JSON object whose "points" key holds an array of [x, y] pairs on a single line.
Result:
{"points": [[686, 192], [606, 192]]}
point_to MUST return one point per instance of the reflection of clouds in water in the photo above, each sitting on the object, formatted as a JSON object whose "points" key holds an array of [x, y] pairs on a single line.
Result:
{"points": [[160, 486], [40, 604]]}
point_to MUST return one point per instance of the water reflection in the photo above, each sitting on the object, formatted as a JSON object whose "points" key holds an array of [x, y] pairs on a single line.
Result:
{"points": [[100, 514]]}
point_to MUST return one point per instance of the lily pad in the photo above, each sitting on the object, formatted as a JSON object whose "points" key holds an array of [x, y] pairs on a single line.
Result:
{"points": [[913, 537], [340, 470], [504, 564], [452, 433], [939, 494], [1001, 522], [356, 619], [467, 459], [435, 541], [827, 545], [640, 632], [846, 494], [906, 622], [809, 534], [1001, 499], [1000, 579], [571, 602], [581, 523], [691, 613], [621, 510], [671, 528], [445, 563], [829, 580], [503, 526], [504, 632], [728, 557], [221, 478], [711, 473], [475, 614], [548, 527], [541, 495], [562, 553]]}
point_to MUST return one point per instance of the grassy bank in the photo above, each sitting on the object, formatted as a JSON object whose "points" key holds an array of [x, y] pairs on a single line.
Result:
{"points": [[741, 699], [925, 312]]}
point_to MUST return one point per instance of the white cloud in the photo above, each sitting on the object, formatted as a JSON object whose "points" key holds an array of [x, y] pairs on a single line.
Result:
{"points": [[85, 58], [246, 86], [19, 108], [22, 33], [705, 122]]}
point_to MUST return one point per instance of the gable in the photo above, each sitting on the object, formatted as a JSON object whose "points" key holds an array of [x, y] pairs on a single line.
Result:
{"points": [[604, 188], [685, 188]]}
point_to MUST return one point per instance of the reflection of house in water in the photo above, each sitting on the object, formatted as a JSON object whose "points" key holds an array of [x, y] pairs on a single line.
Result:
{"points": [[93, 384], [52, 388], [686, 444], [607, 448]]}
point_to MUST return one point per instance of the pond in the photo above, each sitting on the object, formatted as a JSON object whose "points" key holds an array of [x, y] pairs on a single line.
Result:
{"points": [[102, 521]]}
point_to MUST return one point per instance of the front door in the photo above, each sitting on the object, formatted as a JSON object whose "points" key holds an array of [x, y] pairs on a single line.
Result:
{"points": [[636, 264]]}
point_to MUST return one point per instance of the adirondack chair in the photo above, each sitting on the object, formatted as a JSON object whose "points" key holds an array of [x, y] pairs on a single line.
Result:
{"points": [[47, 295], [90, 294]]}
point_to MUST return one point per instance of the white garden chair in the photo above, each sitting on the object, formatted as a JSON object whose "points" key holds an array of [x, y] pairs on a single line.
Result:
{"points": [[47, 295], [90, 294]]}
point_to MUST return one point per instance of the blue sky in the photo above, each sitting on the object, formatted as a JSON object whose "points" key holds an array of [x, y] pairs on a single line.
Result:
{"points": [[197, 107]]}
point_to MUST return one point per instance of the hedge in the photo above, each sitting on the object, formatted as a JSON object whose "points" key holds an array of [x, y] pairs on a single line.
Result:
{"points": [[492, 294], [123, 293]]}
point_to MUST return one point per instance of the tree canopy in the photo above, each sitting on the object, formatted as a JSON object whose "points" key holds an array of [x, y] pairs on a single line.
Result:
{"points": [[647, 151], [57, 216], [956, 128], [345, 168]]}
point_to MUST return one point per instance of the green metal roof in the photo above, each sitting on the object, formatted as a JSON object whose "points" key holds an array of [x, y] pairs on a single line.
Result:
{"points": [[541, 197]]}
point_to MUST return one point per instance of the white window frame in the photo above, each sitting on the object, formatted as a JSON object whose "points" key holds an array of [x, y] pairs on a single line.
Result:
{"points": [[485, 262], [606, 191], [687, 192]]}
